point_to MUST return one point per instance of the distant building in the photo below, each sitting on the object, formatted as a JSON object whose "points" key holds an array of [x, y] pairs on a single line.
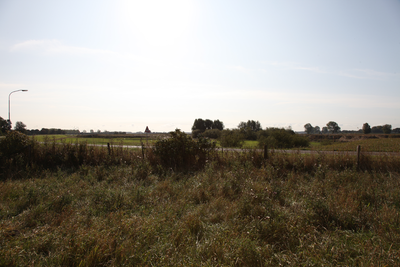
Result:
{"points": [[147, 130]]}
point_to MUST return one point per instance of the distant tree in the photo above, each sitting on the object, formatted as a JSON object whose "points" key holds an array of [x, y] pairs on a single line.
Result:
{"points": [[324, 130], [91, 131], [231, 138], [254, 126], [213, 133], [387, 128], [219, 125], [196, 133], [208, 124], [366, 128], [396, 130], [281, 138], [200, 126], [20, 127], [4, 126], [242, 125], [377, 129], [333, 127], [317, 130], [52, 131], [249, 129], [32, 132], [308, 128]]}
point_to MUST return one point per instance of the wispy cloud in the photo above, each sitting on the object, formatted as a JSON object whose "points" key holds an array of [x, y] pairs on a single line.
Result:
{"points": [[276, 97], [295, 66], [57, 47], [351, 73], [239, 68], [371, 74], [10, 86]]}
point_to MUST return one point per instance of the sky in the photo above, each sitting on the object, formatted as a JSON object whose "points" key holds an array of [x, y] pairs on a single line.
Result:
{"points": [[123, 65]]}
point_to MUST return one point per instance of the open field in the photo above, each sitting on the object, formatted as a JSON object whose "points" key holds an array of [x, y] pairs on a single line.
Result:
{"points": [[115, 140], [90, 207], [368, 145], [99, 140]]}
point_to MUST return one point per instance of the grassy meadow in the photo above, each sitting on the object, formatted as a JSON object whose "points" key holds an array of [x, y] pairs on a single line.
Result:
{"points": [[368, 143], [116, 140], [76, 205], [379, 144], [100, 139]]}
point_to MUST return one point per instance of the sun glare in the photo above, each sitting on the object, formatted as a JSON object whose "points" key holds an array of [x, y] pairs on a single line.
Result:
{"points": [[158, 22]]}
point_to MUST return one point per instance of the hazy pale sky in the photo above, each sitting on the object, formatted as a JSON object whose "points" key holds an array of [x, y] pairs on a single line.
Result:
{"points": [[124, 65]]}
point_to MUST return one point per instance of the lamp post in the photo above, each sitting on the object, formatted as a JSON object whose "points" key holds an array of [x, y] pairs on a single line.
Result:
{"points": [[21, 90]]}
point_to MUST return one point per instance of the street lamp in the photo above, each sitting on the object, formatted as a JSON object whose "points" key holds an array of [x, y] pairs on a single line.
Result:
{"points": [[22, 90]]}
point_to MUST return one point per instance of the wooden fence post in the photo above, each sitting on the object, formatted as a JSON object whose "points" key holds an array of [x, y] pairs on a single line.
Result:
{"points": [[265, 152], [109, 148], [358, 156], [142, 152]]}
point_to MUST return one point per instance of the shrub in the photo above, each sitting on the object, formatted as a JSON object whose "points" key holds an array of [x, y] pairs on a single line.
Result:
{"points": [[249, 129], [281, 138], [181, 152], [213, 134], [231, 138], [14, 142], [196, 133]]}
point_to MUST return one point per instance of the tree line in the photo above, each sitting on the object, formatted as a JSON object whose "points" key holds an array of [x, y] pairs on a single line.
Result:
{"points": [[333, 127], [5, 126], [271, 136], [250, 130]]}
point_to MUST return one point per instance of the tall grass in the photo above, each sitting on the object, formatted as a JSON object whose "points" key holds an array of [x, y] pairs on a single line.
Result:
{"points": [[20, 153], [239, 209]]}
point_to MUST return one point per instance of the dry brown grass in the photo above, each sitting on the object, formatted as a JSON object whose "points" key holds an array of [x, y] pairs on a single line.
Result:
{"points": [[239, 210]]}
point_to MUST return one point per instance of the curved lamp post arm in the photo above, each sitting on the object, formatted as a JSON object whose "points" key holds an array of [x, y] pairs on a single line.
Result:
{"points": [[21, 90]]}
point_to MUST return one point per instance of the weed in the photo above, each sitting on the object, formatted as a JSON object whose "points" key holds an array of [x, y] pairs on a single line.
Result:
{"points": [[182, 153]]}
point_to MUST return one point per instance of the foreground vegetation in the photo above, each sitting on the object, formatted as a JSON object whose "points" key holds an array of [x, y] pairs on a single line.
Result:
{"points": [[75, 205]]}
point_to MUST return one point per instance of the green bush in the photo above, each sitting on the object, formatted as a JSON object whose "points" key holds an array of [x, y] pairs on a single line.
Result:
{"points": [[181, 152], [249, 134], [213, 134], [281, 138], [231, 138], [14, 142], [196, 133], [249, 129]]}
